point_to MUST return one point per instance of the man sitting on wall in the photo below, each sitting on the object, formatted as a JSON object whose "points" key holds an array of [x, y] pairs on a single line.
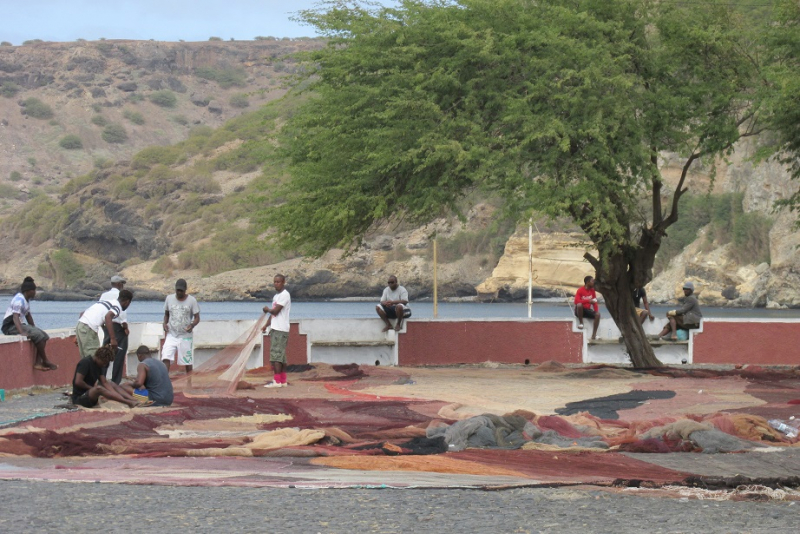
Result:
{"points": [[20, 308], [687, 317], [394, 305], [586, 305]]}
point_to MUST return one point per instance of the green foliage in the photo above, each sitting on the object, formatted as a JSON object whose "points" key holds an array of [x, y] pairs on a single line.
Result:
{"points": [[114, 133], [9, 192], [695, 214], [751, 238], [6, 43], [726, 222], [9, 89], [488, 242], [212, 38], [163, 265], [225, 77], [134, 116], [239, 100], [78, 183], [102, 163], [231, 248], [42, 219], [180, 119], [163, 155], [33, 107], [70, 142], [164, 98], [124, 188], [67, 271], [99, 120], [32, 161], [32, 41], [15, 176]]}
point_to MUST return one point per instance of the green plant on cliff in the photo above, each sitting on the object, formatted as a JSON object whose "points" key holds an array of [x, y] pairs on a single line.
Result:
{"points": [[66, 270], [33, 107], [164, 98], [70, 142], [134, 116], [9, 89], [225, 77], [114, 133]]}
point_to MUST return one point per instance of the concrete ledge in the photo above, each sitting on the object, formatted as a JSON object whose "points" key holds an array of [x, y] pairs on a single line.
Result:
{"points": [[660, 343], [385, 343]]}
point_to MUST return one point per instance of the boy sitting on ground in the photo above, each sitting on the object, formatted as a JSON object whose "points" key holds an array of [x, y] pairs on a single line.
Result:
{"points": [[89, 383]]}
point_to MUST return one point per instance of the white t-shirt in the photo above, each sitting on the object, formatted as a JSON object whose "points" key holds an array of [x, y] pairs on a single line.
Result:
{"points": [[95, 316], [281, 321], [181, 314], [398, 294], [19, 304], [113, 294]]}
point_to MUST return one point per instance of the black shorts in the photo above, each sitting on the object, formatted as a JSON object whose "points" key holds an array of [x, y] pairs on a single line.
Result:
{"points": [[85, 400], [588, 313], [391, 312]]}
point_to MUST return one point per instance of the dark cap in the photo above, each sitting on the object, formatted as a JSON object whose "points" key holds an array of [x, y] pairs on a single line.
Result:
{"points": [[180, 284], [143, 349]]}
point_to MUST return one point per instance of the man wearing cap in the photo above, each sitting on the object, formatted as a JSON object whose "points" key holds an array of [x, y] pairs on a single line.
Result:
{"points": [[120, 325], [687, 317], [100, 314], [181, 315], [13, 326], [152, 379]]}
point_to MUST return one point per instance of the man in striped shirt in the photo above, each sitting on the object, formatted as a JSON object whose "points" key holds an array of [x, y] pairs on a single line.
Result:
{"points": [[100, 314]]}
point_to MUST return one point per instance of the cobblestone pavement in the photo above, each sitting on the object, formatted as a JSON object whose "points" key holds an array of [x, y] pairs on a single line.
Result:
{"points": [[65, 507]]}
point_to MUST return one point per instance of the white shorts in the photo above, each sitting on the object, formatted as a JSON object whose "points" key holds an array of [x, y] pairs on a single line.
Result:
{"points": [[180, 347]]}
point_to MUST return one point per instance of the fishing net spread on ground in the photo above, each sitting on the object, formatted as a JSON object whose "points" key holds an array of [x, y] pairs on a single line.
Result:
{"points": [[510, 422]]}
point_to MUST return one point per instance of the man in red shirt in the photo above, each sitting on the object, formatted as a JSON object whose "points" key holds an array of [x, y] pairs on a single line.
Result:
{"points": [[586, 305]]}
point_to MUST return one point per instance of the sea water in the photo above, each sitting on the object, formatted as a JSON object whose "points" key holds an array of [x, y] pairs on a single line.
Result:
{"points": [[61, 314]]}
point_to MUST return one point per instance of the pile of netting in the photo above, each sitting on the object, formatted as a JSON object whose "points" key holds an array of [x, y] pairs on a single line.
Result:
{"points": [[323, 427]]}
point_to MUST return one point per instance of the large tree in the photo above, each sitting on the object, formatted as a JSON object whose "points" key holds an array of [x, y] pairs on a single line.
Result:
{"points": [[557, 106]]}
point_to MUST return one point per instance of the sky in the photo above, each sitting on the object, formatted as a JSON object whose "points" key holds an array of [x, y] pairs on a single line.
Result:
{"points": [[161, 20]]}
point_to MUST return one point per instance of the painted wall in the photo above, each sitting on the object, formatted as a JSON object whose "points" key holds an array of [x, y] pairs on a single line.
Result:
{"points": [[17, 355], [752, 342], [503, 341], [296, 353]]}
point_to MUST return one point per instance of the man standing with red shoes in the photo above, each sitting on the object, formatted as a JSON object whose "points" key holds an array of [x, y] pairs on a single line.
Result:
{"points": [[278, 319]]}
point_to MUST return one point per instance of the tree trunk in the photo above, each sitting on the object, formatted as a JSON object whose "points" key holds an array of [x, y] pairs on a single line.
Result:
{"points": [[615, 282]]}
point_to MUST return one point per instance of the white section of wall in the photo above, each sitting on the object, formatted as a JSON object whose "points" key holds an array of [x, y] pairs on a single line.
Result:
{"points": [[616, 354], [345, 341]]}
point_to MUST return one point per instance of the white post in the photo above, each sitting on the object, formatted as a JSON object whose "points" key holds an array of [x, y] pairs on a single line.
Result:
{"points": [[435, 283], [530, 267]]}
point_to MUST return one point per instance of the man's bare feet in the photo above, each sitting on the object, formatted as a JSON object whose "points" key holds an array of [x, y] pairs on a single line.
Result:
{"points": [[386, 328], [40, 367], [398, 326], [51, 366]]}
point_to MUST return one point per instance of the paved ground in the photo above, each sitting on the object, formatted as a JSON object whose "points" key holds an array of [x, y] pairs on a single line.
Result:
{"points": [[62, 507]]}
